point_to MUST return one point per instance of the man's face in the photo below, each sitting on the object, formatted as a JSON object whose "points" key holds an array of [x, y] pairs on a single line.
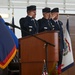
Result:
{"points": [[33, 13], [55, 15], [46, 15]]}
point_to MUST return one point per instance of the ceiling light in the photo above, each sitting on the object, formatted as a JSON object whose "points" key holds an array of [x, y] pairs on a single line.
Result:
{"points": [[4, 15]]}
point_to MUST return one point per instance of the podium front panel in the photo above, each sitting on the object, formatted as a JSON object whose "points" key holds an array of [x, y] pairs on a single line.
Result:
{"points": [[33, 49]]}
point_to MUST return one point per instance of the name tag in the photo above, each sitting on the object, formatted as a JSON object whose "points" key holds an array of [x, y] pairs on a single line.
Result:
{"points": [[45, 28]]}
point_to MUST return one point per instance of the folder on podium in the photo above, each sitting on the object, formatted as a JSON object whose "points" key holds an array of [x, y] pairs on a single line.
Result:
{"points": [[33, 52]]}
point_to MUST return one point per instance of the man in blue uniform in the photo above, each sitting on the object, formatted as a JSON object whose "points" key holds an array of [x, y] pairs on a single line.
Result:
{"points": [[57, 25], [28, 23], [45, 23]]}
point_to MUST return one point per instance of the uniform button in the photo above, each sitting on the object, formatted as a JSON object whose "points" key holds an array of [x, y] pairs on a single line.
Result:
{"points": [[30, 30], [53, 28]]}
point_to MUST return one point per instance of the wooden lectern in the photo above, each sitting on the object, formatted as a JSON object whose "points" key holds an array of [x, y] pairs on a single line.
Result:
{"points": [[32, 52]]}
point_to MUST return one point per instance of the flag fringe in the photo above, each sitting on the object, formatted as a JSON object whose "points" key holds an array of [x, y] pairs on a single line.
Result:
{"points": [[4, 65]]}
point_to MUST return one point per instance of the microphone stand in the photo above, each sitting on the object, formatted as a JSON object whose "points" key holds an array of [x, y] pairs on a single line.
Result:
{"points": [[46, 43]]}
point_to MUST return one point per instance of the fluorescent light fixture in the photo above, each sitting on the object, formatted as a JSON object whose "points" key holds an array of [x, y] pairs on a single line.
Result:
{"points": [[70, 4], [37, 2], [4, 15], [19, 2]]}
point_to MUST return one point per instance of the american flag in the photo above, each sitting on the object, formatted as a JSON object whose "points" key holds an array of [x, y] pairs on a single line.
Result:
{"points": [[45, 71]]}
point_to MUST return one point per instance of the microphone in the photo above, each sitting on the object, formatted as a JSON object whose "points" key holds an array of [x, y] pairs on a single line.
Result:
{"points": [[46, 43], [8, 24]]}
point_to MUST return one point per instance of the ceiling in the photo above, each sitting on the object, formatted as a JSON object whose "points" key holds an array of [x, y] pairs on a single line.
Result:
{"points": [[62, 4]]}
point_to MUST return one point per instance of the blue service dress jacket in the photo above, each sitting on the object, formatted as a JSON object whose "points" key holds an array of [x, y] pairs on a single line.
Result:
{"points": [[44, 24], [29, 26]]}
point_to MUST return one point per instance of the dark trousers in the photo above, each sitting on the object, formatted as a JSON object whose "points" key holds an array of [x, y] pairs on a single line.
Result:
{"points": [[60, 58], [4, 71]]}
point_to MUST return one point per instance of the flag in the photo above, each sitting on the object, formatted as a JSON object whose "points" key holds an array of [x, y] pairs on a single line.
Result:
{"points": [[14, 37], [7, 46], [68, 60], [45, 71], [12, 34]]}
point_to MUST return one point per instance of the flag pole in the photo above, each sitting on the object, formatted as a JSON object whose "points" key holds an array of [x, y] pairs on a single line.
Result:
{"points": [[13, 29], [67, 16]]}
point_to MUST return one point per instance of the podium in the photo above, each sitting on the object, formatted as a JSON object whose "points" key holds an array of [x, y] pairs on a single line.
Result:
{"points": [[33, 53]]}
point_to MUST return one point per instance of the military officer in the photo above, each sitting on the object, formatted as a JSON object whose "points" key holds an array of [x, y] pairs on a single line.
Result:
{"points": [[44, 23], [58, 25], [28, 23]]}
